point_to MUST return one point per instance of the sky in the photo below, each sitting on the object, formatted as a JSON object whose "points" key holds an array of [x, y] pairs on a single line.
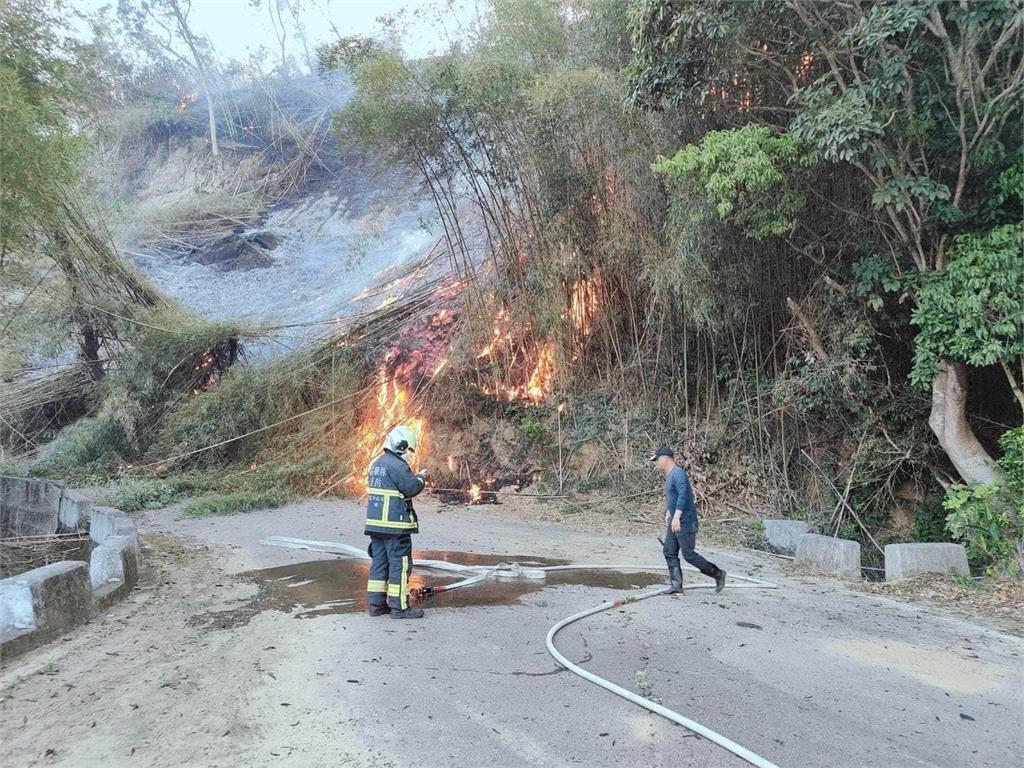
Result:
{"points": [[237, 28]]}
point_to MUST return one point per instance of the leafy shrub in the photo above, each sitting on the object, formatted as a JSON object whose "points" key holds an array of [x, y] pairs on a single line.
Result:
{"points": [[229, 503], [972, 311], [93, 444], [534, 429], [989, 519], [930, 522], [132, 495]]}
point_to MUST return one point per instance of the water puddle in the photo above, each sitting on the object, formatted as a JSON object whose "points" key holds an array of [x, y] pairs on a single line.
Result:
{"points": [[326, 587]]}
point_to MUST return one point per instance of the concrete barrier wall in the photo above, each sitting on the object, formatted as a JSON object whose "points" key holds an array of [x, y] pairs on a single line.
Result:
{"points": [[41, 603], [783, 535], [28, 507], [903, 560], [73, 512], [824, 553]]}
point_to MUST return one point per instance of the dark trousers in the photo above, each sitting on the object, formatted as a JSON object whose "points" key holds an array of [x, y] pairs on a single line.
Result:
{"points": [[390, 566], [684, 542]]}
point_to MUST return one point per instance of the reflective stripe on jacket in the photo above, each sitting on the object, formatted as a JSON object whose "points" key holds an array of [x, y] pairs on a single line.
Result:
{"points": [[390, 488]]}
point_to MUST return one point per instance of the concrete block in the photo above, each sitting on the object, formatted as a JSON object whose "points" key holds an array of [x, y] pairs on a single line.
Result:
{"points": [[28, 507], [16, 612], [114, 562], [104, 523], [61, 595], [903, 560], [106, 564], [73, 512], [784, 535], [125, 528], [61, 598], [824, 553], [114, 570]]}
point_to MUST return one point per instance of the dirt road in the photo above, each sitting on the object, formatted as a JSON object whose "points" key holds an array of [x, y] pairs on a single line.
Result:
{"points": [[209, 663]]}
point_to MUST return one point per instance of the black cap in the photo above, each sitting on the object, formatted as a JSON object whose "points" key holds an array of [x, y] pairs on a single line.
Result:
{"points": [[663, 450]]}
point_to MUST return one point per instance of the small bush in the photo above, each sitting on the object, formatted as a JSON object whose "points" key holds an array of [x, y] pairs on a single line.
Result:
{"points": [[94, 445], [534, 429], [229, 503], [989, 519], [133, 495]]}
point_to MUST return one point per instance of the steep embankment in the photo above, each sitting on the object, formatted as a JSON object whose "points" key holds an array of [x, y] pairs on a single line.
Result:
{"points": [[284, 226]]}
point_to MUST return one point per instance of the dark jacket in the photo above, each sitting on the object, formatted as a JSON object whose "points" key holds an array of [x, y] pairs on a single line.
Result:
{"points": [[391, 486], [679, 495]]}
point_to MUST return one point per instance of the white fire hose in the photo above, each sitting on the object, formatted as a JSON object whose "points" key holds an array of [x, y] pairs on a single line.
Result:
{"points": [[675, 717], [479, 573]]}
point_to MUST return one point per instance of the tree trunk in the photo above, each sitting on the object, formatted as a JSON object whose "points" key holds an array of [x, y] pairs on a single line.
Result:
{"points": [[88, 345], [948, 421], [214, 148]]}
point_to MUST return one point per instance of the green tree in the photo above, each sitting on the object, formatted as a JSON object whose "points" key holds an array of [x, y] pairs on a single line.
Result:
{"points": [[43, 101], [973, 311], [921, 99]]}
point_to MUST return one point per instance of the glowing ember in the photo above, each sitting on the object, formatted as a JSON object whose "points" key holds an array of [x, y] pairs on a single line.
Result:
{"points": [[186, 100], [803, 70], [474, 493]]}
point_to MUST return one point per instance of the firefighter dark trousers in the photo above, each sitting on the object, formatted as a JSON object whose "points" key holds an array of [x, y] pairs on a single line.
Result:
{"points": [[684, 542], [390, 566]]}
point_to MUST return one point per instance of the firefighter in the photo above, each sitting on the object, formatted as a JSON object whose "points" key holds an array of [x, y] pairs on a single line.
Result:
{"points": [[681, 522], [390, 523]]}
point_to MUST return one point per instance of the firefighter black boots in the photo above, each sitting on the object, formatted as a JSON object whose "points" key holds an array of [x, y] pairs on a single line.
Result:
{"points": [[408, 613]]}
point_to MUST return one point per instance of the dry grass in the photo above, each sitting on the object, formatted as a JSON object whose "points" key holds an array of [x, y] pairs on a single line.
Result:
{"points": [[997, 600]]}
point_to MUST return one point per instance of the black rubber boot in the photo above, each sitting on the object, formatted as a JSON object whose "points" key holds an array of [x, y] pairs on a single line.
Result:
{"points": [[719, 580], [408, 613], [378, 610], [675, 576]]}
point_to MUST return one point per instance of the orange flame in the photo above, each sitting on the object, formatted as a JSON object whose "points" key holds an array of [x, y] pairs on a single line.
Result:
{"points": [[417, 358], [584, 300], [542, 379], [392, 406], [474, 493]]}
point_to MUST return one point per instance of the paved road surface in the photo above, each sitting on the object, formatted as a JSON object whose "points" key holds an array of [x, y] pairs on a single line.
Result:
{"points": [[202, 667]]}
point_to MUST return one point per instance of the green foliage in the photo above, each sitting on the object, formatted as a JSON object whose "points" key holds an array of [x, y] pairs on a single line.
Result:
{"points": [[973, 311], [44, 94], [131, 495], [978, 518], [534, 429], [232, 502], [240, 404], [930, 522], [93, 445], [672, 44], [745, 175], [989, 519]]}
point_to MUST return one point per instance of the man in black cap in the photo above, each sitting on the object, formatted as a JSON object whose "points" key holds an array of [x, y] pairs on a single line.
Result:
{"points": [[681, 519]]}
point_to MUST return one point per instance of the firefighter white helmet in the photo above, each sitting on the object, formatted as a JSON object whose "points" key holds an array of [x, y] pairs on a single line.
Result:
{"points": [[401, 439]]}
